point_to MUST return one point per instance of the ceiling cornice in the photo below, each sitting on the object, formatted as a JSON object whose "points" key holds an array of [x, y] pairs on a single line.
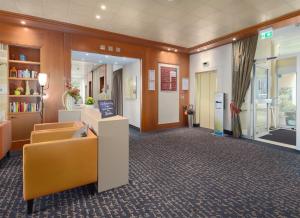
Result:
{"points": [[42, 23]]}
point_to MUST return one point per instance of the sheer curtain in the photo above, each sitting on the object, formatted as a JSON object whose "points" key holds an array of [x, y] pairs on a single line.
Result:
{"points": [[243, 60]]}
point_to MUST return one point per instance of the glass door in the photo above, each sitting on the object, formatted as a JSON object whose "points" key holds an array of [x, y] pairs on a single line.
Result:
{"points": [[261, 99]]}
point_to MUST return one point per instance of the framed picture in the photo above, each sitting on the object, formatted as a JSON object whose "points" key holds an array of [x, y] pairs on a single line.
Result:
{"points": [[168, 77], [131, 87]]}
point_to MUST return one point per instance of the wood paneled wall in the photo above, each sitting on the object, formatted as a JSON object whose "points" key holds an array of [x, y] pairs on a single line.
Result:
{"points": [[56, 47]]}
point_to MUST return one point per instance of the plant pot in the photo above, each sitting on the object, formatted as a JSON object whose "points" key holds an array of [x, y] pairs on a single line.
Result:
{"points": [[89, 105], [17, 92]]}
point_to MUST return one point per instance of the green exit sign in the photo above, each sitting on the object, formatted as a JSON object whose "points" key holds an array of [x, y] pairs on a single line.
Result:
{"points": [[266, 34]]}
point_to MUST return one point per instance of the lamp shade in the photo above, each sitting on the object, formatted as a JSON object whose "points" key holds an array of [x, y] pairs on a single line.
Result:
{"points": [[42, 79]]}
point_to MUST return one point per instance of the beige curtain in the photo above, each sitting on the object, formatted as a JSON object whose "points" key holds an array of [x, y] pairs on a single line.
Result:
{"points": [[243, 59], [197, 96], [117, 91]]}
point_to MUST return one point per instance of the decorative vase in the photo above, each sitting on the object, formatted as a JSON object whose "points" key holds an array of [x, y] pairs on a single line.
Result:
{"points": [[89, 105], [68, 101], [17, 92]]}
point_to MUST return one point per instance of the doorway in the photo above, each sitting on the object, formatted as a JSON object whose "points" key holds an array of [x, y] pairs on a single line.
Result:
{"points": [[206, 87], [274, 98], [106, 77]]}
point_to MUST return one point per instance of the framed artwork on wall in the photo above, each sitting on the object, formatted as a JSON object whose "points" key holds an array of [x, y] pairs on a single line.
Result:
{"points": [[168, 77], [131, 87]]}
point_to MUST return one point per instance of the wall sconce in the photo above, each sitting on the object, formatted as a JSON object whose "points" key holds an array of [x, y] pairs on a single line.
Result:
{"points": [[42, 81]]}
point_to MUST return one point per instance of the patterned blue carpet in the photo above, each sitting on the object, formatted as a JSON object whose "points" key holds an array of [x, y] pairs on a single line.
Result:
{"points": [[177, 173]]}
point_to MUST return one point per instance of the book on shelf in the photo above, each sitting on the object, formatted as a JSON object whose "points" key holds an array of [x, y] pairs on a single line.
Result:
{"points": [[16, 107]]}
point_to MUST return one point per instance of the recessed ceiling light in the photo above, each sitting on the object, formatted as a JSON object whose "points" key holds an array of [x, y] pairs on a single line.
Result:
{"points": [[98, 17], [87, 54], [198, 49], [176, 50], [103, 7], [169, 49], [106, 56], [23, 22], [234, 39]]}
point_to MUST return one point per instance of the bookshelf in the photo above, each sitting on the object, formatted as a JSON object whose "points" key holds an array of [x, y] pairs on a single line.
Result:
{"points": [[3, 80], [24, 99]]}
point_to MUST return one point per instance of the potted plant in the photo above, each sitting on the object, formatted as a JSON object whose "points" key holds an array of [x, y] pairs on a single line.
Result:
{"points": [[70, 97], [19, 90], [189, 111], [90, 102]]}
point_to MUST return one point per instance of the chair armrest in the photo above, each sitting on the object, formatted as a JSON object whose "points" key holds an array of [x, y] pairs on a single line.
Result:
{"points": [[55, 166]]}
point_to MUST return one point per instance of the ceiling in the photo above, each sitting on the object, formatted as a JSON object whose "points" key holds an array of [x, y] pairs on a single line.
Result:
{"points": [[179, 22], [287, 40]]}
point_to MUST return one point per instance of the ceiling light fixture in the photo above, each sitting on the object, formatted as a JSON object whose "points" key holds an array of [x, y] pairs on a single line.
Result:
{"points": [[176, 50], [98, 17], [169, 49], [103, 7], [23, 22], [198, 49], [87, 54], [234, 39]]}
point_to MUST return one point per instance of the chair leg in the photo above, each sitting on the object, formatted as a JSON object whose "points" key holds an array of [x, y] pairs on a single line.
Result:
{"points": [[29, 206], [92, 188]]}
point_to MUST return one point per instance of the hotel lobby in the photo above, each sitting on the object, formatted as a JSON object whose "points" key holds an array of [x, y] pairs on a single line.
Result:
{"points": [[149, 108]]}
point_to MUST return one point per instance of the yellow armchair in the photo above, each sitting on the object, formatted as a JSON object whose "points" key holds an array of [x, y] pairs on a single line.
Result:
{"points": [[54, 162]]}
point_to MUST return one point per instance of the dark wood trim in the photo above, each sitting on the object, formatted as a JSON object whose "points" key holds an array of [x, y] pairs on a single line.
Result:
{"points": [[42, 23]]}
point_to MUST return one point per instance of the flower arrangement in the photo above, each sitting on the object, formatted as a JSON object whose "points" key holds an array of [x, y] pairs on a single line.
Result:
{"points": [[90, 101], [73, 92], [19, 90], [188, 109]]}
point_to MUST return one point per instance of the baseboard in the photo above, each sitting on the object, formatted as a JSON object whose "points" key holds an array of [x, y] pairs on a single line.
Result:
{"points": [[134, 127], [228, 132]]}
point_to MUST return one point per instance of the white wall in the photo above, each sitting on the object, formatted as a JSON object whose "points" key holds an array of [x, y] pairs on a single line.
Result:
{"points": [[79, 72], [132, 107], [219, 59]]}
